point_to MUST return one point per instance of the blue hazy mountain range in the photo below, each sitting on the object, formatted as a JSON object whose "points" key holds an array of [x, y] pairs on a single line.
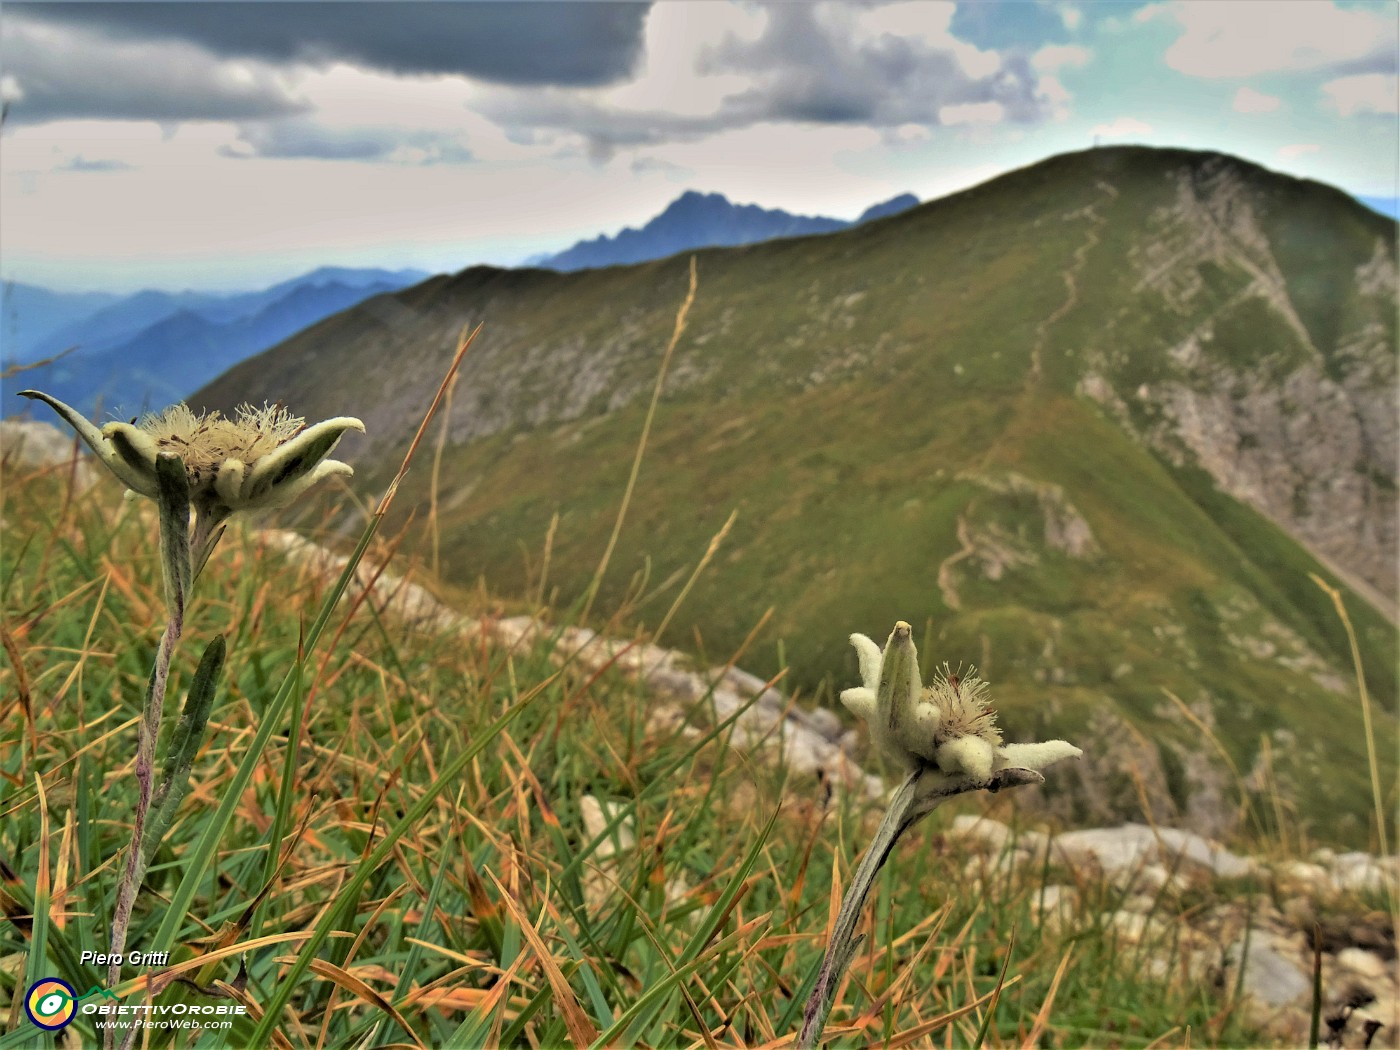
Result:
{"points": [[705, 220], [127, 354]]}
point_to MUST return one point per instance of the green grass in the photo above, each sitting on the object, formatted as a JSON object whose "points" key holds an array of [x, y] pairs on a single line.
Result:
{"points": [[429, 886]]}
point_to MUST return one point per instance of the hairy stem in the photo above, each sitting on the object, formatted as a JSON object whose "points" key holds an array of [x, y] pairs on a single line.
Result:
{"points": [[145, 774], [918, 795], [899, 817], [173, 501]]}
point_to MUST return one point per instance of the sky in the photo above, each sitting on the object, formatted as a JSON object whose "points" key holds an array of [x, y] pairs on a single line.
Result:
{"points": [[223, 146]]}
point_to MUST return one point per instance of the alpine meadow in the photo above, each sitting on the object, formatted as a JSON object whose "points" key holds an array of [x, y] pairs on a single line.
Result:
{"points": [[1097, 421], [597, 690]]}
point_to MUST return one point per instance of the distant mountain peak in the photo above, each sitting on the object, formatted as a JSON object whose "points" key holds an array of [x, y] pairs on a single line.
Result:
{"points": [[705, 220]]}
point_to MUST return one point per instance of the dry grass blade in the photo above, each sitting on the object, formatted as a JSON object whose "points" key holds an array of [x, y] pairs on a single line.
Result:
{"points": [[602, 569], [916, 1036], [907, 971], [1042, 1017], [355, 986], [715, 542], [1341, 608], [464, 343], [21, 694], [581, 1029], [1167, 1037], [159, 981], [19, 368], [436, 474]]}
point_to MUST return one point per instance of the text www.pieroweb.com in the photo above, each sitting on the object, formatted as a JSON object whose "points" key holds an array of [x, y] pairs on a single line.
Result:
{"points": [[171, 1016]]}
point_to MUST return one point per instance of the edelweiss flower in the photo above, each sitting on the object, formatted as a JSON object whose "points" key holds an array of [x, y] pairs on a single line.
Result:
{"points": [[261, 459], [949, 726]]}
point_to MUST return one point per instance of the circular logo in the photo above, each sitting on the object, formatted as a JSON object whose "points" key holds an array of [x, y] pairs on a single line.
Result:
{"points": [[51, 1003]]}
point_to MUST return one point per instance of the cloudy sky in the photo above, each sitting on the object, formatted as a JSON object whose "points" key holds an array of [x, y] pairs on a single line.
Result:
{"points": [[228, 145]]}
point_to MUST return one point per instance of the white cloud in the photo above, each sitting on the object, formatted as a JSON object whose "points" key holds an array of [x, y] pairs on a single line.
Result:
{"points": [[714, 67], [1071, 17], [1054, 93], [674, 76], [1243, 38], [1247, 100], [1121, 128], [908, 135], [972, 113], [806, 169], [1298, 149], [1059, 56], [1363, 93]]}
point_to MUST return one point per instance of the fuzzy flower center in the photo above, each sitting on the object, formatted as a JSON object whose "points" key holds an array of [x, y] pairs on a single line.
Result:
{"points": [[965, 704], [204, 440]]}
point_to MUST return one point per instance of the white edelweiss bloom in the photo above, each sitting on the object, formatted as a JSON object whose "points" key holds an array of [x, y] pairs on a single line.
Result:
{"points": [[891, 699], [949, 727], [261, 459]]}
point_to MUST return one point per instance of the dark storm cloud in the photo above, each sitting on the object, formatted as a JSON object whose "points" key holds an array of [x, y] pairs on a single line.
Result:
{"points": [[573, 44]]}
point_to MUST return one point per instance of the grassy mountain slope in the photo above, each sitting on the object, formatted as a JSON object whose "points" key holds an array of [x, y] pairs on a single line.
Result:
{"points": [[1077, 424]]}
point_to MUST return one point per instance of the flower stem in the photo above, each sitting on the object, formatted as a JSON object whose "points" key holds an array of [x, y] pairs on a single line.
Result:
{"points": [[173, 501], [918, 795], [843, 944], [145, 773]]}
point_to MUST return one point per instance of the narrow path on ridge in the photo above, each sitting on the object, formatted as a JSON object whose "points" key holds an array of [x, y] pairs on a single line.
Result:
{"points": [[1070, 275], [947, 582], [1071, 279]]}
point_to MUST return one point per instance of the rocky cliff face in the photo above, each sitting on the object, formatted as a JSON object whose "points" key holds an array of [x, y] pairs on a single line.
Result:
{"points": [[1304, 429]]}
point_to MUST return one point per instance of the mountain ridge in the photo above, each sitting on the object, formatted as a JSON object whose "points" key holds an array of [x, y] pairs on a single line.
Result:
{"points": [[1064, 421], [153, 348], [705, 220]]}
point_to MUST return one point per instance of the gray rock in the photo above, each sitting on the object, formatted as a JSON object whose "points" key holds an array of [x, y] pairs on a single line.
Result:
{"points": [[34, 445], [1273, 975], [1135, 845]]}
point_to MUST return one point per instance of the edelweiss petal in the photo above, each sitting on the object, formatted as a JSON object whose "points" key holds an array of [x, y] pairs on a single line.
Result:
{"points": [[137, 451], [967, 754], [1034, 756], [261, 459], [947, 730], [228, 480], [295, 459], [869, 655], [137, 481], [288, 492], [892, 701]]}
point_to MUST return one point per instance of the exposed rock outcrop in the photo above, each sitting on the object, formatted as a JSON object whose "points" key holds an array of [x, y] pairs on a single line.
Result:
{"points": [[1307, 433], [1187, 906]]}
